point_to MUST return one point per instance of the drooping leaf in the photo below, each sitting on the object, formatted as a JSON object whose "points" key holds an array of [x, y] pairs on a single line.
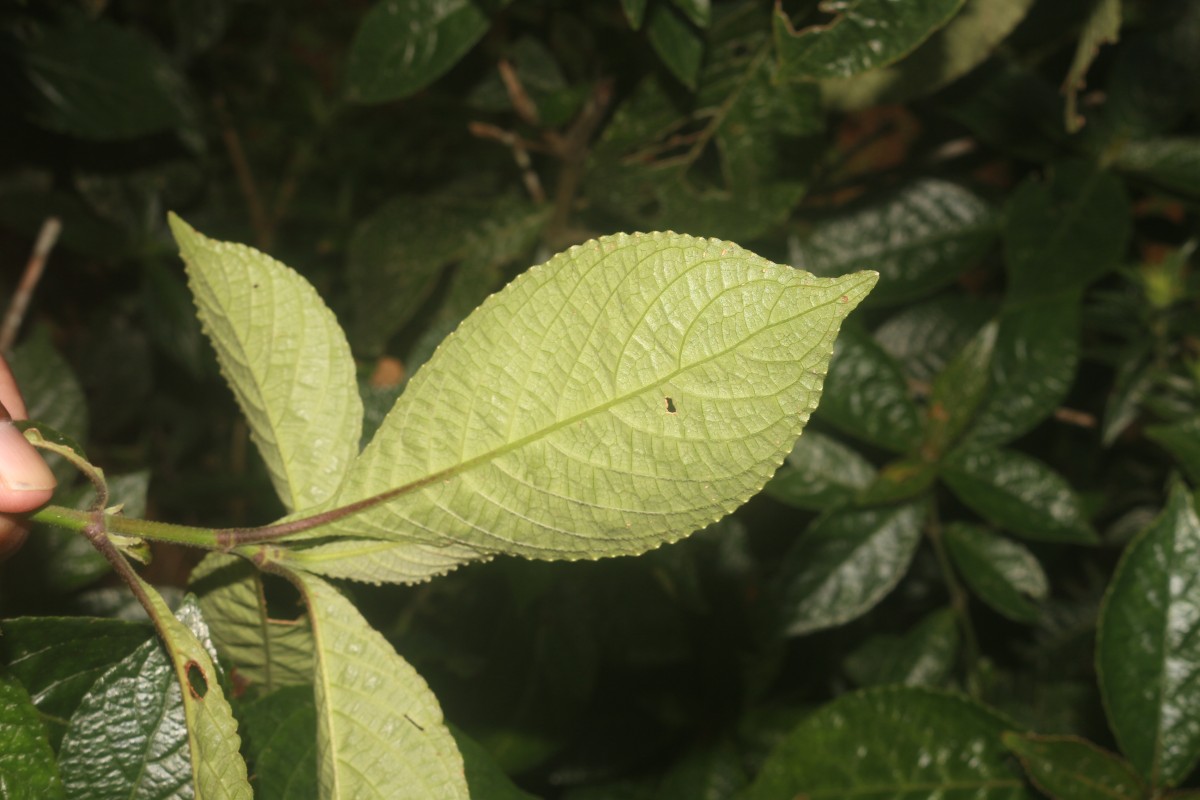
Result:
{"points": [[1032, 369], [93, 79], [1070, 768], [866, 395], [844, 564], [1170, 163], [894, 743], [918, 238], [280, 732], [676, 41], [1002, 572], [820, 473], [1148, 646], [286, 359], [402, 46], [923, 656], [27, 767], [380, 732], [866, 35], [1018, 493], [951, 52], [958, 391], [626, 393], [1065, 231], [1182, 440], [1103, 27], [268, 653], [58, 659]]}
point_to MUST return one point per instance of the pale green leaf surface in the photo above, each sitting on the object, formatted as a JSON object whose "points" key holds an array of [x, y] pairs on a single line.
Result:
{"points": [[627, 392], [217, 767], [893, 744], [268, 653], [866, 35], [1148, 646], [27, 767], [286, 359], [376, 560], [954, 50], [380, 732]]}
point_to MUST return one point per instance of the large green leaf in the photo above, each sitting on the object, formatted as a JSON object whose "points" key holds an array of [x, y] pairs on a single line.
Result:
{"points": [[1170, 163], [1002, 572], [403, 45], [923, 337], [893, 744], [844, 564], [280, 732], [678, 43], [820, 473], [958, 391], [1182, 440], [380, 732], [27, 768], [923, 656], [1148, 646], [866, 35], [268, 653], [918, 238], [1018, 493], [59, 658], [378, 561], [285, 358], [1070, 768], [1065, 231], [624, 394]]}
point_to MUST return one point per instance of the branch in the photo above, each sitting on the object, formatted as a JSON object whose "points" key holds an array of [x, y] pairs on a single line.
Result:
{"points": [[47, 236]]}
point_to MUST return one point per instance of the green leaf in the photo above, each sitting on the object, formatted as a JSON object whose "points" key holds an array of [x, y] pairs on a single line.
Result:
{"points": [[1170, 163], [1002, 572], [280, 731], [635, 11], [217, 768], [866, 35], [1070, 768], [1018, 493], [698, 11], [59, 658], [1065, 231], [844, 564], [958, 390], [893, 743], [677, 43], [924, 656], [485, 779], [404, 45], [923, 337], [379, 729], [95, 80], [624, 394], [27, 767], [52, 392], [820, 473], [1148, 646], [1103, 26], [1033, 367], [866, 395], [268, 653], [919, 239], [950, 53], [378, 561], [128, 737], [286, 359], [1182, 440]]}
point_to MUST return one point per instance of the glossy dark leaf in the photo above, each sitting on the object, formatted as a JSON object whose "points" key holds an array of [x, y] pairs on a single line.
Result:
{"points": [[866, 35], [677, 42], [1172, 164], [923, 337], [918, 239], [1182, 440], [923, 656], [1070, 768], [958, 391], [867, 397], [59, 658], [820, 473], [1148, 646], [27, 768], [844, 564], [891, 744], [1003, 573], [899, 481], [279, 731], [1033, 367], [1018, 493], [403, 45], [1064, 231]]}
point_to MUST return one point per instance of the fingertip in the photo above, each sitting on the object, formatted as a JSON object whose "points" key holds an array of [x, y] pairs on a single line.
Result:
{"points": [[12, 535], [25, 480]]}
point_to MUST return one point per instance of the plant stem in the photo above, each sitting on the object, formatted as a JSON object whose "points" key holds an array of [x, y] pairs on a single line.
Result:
{"points": [[959, 598]]}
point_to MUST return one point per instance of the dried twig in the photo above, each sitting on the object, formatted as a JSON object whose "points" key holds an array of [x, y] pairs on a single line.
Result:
{"points": [[15, 314]]}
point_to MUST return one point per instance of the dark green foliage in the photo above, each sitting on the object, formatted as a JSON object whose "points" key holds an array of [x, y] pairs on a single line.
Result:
{"points": [[975, 575]]}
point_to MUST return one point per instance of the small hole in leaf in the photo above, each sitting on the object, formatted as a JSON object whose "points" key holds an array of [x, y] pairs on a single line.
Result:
{"points": [[670, 405], [197, 682]]}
